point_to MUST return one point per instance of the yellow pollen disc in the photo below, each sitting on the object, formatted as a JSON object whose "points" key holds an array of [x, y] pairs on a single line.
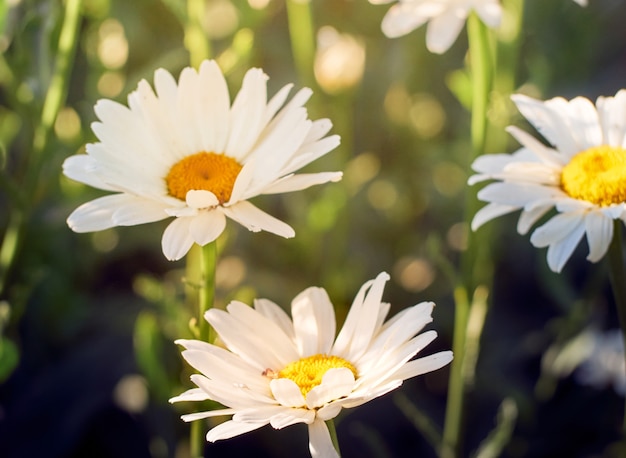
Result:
{"points": [[203, 171], [307, 372], [597, 175]]}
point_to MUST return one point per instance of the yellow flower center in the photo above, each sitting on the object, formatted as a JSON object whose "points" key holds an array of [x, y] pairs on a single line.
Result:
{"points": [[307, 372], [597, 175], [203, 171]]}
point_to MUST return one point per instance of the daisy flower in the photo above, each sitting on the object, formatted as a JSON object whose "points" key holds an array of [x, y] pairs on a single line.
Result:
{"points": [[186, 152], [281, 371], [582, 176], [445, 19]]}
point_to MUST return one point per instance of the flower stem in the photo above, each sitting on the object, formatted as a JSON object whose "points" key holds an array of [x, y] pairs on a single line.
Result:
{"points": [[55, 97], [617, 275], [302, 39], [206, 295], [333, 434], [475, 265]]}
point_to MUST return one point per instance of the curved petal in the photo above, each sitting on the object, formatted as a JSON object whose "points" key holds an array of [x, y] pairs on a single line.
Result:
{"points": [[286, 392], [336, 383], [82, 168], [232, 428], [444, 29], [301, 181], [599, 230], [313, 321], [357, 331], [256, 220], [320, 443], [115, 210], [207, 226], [401, 19], [177, 240]]}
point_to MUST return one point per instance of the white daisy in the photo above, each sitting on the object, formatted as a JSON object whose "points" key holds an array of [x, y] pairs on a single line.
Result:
{"points": [[281, 371], [445, 17], [187, 152], [582, 176]]}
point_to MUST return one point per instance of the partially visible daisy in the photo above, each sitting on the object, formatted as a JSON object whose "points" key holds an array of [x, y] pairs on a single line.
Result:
{"points": [[581, 2], [582, 176], [187, 152], [445, 17], [281, 371], [604, 364]]}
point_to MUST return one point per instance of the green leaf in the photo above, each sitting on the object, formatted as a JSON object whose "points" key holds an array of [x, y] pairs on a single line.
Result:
{"points": [[9, 357]]}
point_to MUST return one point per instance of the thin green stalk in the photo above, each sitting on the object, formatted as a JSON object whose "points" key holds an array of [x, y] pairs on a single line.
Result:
{"points": [[55, 97], [333, 434], [197, 43], [617, 275], [472, 262], [206, 295], [302, 36], [456, 385]]}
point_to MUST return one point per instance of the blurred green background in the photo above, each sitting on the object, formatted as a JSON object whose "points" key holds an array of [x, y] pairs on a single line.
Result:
{"points": [[87, 321]]}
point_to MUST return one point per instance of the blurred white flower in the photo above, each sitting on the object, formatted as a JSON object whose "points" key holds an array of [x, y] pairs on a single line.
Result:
{"points": [[445, 18], [604, 365], [281, 371], [581, 2], [186, 152], [582, 177]]}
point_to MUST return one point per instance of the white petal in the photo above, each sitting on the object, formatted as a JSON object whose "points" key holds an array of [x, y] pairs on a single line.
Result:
{"points": [[423, 365], [559, 252], [599, 230], [83, 168], [320, 443], [336, 383], [489, 212], [247, 114], [287, 393], [201, 199], [114, 210], [292, 417], [301, 181], [557, 228], [443, 30], [276, 314], [208, 414], [232, 428], [177, 240], [194, 394], [490, 12], [314, 321], [529, 217], [214, 107], [357, 331], [207, 226], [401, 19], [329, 411], [256, 220]]}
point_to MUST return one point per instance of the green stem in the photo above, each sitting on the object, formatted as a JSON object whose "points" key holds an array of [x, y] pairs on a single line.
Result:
{"points": [[617, 275], [55, 97], [206, 295], [197, 43], [333, 434], [456, 386], [475, 265], [302, 37]]}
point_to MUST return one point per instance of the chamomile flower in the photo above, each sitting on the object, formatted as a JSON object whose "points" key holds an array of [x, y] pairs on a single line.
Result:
{"points": [[186, 152], [582, 176], [281, 371], [445, 19]]}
